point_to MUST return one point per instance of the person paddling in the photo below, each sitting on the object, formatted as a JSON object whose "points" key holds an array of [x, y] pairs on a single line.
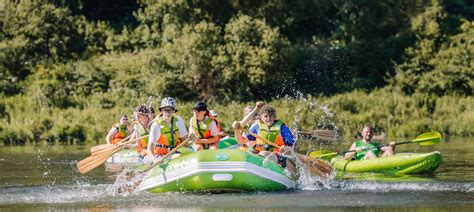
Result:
{"points": [[205, 127], [273, 130], [250, 117], [118, 131], [141, 127], [367, 149], [166, 131]]}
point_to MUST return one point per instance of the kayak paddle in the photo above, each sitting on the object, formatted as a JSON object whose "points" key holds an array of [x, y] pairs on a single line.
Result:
{"points": [[425, 139]]}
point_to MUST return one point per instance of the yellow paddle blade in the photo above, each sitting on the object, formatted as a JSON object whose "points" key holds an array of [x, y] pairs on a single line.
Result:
{"points": [[323, 154], [427, 139]]}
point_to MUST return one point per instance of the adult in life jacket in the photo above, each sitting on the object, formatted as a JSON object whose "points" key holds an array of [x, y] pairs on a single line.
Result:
{"points": [[250, 117], [367, 149], [167, 130], [205, 127], [118, 131], [273, 130], [140, 128]]}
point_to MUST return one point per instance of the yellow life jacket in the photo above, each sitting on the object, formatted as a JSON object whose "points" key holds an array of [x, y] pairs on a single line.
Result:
{"points": [[272, 133], [169, 137]]}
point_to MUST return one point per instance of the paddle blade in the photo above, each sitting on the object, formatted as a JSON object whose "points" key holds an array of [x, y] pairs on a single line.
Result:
{"points": [[100, 147], [94, 161], [427, 139], [323, 154], [316, 166], [104, 150]]}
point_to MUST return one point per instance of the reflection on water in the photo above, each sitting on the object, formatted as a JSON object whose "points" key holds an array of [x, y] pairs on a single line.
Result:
{"points": [[45, 178]]}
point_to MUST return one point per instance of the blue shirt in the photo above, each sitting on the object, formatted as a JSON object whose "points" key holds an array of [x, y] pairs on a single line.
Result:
{"points": [[285, 132]]}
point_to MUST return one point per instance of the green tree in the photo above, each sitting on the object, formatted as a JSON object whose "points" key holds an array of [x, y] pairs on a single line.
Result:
{"points": [[428, 30], [63, 85], [249, 56], [187, 57], [453, 66], [36, 32]]}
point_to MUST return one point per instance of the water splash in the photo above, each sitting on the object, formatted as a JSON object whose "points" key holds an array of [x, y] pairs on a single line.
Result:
{"points": [[128, 180], [307, 180]]}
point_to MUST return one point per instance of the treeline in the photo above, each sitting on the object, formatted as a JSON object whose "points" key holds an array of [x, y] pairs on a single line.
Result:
{"points": [[62, 58]]}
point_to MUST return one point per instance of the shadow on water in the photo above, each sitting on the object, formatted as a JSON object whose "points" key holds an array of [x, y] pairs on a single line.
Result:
{"points": [[46, 178]]}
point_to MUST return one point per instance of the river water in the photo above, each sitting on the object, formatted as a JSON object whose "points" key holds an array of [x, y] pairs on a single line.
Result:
{"points": [[45, 177]]}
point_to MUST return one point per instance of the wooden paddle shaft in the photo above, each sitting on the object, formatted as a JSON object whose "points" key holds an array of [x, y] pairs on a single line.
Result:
{"points": [[317, 167], [261, 138], [167, 155]]}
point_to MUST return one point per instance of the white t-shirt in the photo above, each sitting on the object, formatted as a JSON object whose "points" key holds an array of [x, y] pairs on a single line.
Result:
{"points": [[155, 131], [212, 127]]}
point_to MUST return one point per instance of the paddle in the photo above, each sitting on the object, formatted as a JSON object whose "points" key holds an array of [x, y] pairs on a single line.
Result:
{"points": [[100, 147], [250, 116], [138, 177], [317, 167], [94, 161], [237, 125], [424, 139]]}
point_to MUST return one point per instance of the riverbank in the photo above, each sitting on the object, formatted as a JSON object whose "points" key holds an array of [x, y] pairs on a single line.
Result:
{"points": [[393, 114]]}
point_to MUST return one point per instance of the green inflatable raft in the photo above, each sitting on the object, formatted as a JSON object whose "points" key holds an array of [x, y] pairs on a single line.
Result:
{"points": [[398, 164], [128, 156], [220, 170]]}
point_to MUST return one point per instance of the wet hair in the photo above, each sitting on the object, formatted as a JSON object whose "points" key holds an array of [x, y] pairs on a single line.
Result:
{"points": [[267, 109], [142, 109]]}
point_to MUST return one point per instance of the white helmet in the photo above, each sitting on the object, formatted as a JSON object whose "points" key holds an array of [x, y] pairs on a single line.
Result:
{"points": [[168, 102], [213, 113]]}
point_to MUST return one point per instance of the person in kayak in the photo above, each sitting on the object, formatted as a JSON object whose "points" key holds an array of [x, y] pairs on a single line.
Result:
{"points": [[141, 127], [166, 131], [367, 149], [118, 131], [273, 130], [205, 127]]}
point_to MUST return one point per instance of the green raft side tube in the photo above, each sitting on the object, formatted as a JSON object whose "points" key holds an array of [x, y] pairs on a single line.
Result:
{"points": [[217, 170], [401, 163]]}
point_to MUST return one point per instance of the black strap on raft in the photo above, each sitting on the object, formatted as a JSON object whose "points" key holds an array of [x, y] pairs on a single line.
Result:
{"points": [[281, 160], [172, 132]]}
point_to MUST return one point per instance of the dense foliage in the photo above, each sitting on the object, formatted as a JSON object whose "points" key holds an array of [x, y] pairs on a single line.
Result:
{"points": [[60, 57]]}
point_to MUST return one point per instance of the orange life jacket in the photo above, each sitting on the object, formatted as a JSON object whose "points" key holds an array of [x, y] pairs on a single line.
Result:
{"points": [[202, 129], [122, 132]]}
